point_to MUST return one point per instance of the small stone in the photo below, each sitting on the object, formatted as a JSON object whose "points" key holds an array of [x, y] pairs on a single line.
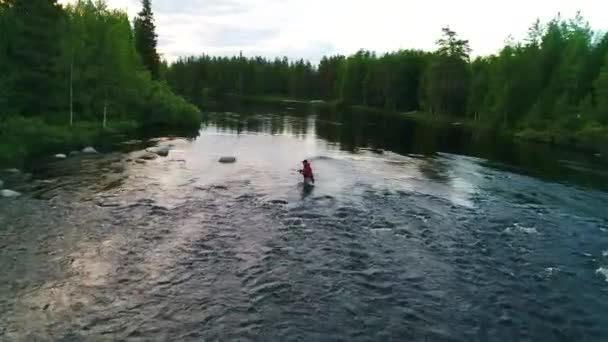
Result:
{"points": [[140, 161], [89, 150], [227, 160], [9, 193], [60, 156]]}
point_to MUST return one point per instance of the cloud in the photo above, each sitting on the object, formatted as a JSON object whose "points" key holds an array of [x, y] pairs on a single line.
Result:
{"points": [[311, 28]]}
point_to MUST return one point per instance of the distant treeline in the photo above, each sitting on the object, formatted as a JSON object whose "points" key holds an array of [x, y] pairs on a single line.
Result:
{"points": [[555, 82]]}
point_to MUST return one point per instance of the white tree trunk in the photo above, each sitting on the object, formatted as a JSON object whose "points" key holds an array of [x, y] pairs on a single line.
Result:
{"points": [[105, 110], [72, 92]]}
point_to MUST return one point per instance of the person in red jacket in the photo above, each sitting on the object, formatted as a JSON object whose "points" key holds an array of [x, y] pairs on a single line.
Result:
{"points": [[307, 172]]}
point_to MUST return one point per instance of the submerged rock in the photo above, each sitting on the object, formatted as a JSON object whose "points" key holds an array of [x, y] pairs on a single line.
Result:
{"points": [[1, 184], [89, 150], [227, 160], [9, 193], [74, 153], [147, 156], [131, 142], [162, 151], [60, 156], [12, 171]]}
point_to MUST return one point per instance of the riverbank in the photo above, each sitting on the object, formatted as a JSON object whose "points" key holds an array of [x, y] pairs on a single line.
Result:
{"points": [[592, 138], [23, 139]]}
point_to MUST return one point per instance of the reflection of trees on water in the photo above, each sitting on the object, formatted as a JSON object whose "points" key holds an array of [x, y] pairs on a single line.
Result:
{"points": [[351, 131], [271, 124], [435, 170], [377, 131]]}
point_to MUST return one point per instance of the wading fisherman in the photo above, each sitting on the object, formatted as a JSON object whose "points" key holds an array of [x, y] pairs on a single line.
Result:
{"points": [[306, 171]]}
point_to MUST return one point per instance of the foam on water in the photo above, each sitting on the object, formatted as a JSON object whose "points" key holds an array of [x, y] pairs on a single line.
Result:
{"points": [[521, 229], [202, 251], [603, 271]]}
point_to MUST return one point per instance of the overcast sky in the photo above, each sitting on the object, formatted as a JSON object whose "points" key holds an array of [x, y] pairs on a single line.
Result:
{"points": [[312, 28]]}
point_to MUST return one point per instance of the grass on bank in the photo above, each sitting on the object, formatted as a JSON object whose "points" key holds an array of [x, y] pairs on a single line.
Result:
{"points": [[22, 138]]}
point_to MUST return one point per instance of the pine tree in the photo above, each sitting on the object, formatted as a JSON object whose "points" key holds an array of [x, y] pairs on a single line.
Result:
{"points": [[601, 94], [447, 78], [35, 54], [146, 39]]}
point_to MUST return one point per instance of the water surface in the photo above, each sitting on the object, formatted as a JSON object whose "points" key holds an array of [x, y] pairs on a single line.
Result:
{"points": [[411, 233]]}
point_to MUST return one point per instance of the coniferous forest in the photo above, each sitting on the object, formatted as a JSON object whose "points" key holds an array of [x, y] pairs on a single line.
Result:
{"points": [[71, 75], [552, 86]]}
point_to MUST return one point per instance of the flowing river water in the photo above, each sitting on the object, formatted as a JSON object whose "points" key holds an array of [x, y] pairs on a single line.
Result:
{"points": [[407, 236]]}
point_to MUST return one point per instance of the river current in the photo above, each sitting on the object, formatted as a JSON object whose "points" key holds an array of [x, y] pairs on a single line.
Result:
{"points": [[394, 243]]}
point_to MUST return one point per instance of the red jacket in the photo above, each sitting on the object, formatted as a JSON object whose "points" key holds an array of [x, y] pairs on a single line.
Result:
{"points": [[307, 171]]}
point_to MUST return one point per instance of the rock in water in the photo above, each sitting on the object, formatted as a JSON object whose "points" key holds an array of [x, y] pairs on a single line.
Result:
{"points": [[60, 156], [162, 151], [9, 194], [12, 171], [89, 150], [74, 153], [148, 156], [228, 160], [1, 184], [131, 142]]}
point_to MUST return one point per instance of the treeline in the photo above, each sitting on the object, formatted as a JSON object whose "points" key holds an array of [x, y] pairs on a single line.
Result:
{"points": [[552, 85], [202, 79], [83, 65]]}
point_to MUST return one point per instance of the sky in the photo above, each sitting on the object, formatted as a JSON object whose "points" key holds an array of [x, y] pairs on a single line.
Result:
{"points": [[310, 29]]}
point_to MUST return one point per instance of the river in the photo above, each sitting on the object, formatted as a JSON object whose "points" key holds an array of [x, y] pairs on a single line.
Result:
{"points": [[410, 234]]}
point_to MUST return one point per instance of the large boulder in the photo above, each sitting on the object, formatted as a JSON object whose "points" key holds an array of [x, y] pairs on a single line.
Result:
{"points": [[89, 150], [227, 160], [60, 156], [9, 193], [162, 151]]}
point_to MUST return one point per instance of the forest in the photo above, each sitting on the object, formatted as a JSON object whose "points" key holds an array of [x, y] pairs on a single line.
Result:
{"points": [[75, 75], [553, 86]]}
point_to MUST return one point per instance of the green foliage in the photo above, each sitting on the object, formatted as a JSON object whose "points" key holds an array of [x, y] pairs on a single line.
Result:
{"points": [[33, 54], [199, 79], [548, 87], [31, 136], [163, 109], [146, 39], [450, 46], [82, 60]]}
